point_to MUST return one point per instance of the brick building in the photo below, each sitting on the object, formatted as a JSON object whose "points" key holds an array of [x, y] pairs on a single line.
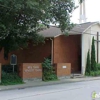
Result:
{"points": [[62, 49]]}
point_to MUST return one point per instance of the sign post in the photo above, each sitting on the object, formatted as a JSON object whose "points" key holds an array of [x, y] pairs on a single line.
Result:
{"points": [[13, 60]]}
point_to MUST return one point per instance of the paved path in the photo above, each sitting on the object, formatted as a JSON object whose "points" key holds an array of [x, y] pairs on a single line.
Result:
{"points": [[66, 91]]}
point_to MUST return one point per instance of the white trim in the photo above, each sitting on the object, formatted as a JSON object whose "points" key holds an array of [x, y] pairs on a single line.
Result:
{"points": [[57, 35], [90, 27]]}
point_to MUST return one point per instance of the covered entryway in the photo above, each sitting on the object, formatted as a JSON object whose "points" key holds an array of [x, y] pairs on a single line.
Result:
{"points": [[67, 49]]}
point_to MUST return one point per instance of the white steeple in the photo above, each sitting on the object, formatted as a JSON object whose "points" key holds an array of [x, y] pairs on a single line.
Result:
{"points": [[82, 14]]}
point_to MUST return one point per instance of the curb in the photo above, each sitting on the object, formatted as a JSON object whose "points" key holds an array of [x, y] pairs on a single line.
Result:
{"points": [[62, 81]]}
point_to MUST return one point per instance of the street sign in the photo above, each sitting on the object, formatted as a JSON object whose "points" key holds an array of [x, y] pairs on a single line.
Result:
{"points": [[13, 60]]}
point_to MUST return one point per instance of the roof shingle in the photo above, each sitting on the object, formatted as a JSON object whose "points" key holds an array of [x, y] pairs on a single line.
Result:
{"points": [[54, 31]]}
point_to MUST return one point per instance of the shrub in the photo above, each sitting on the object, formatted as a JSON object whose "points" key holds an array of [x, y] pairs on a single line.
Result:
{"points": [[88, 64], [98, 66], [93, 73], [97, 73], [47, 63], [10, 79], [87, 74], [48, 71], [93, 60]]}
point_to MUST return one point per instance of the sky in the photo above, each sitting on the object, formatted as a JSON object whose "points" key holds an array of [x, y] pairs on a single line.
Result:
{"points": [[92, 11]]}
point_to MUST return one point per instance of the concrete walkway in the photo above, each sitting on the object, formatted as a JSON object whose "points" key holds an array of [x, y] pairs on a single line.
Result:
{"points": [[42, 83]]}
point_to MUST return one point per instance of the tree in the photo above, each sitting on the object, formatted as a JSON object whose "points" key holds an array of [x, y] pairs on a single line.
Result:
{"points": [[20, 20], [93, 60], [88, 63]]}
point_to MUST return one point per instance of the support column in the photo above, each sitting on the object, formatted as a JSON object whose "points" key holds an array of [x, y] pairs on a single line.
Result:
{"points": [[82, 56]]}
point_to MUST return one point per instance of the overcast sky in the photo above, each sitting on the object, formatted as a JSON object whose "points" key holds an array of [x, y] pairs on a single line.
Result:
{"points": [[92, 11]]}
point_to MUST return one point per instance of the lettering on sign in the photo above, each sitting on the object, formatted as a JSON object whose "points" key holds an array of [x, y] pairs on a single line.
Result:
{"points": [[33, 68], [64, 66]]}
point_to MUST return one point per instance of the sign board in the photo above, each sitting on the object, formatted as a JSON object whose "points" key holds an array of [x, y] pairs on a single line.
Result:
{"points": [[13, 60], [33, 69], [64, 66]]}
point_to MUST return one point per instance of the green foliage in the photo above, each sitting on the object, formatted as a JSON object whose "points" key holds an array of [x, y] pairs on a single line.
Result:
{"points": [[9, 68], [48, 71], [98, 66], [47, 64], [94, 69], [88, 63], [93, 73], [10, 79], [93, 60], [20, 20], [87, 74]]}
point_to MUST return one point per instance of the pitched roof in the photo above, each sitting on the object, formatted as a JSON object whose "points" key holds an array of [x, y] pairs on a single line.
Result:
{"points": [[81, 28], [78, 29], [51, 32]]}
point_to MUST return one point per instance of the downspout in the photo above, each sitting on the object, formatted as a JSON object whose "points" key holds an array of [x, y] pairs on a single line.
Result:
{"points": [[51, 50], [82, 56]]}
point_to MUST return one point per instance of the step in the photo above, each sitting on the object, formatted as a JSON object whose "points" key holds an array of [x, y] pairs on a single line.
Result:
{"points": [[77, 76]]}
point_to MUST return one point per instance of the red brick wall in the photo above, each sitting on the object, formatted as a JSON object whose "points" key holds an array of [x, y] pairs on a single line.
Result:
{"points": [[32, 54], [68, 50], [30, 70], [61, 70], [0, 72], [2, 57]]}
